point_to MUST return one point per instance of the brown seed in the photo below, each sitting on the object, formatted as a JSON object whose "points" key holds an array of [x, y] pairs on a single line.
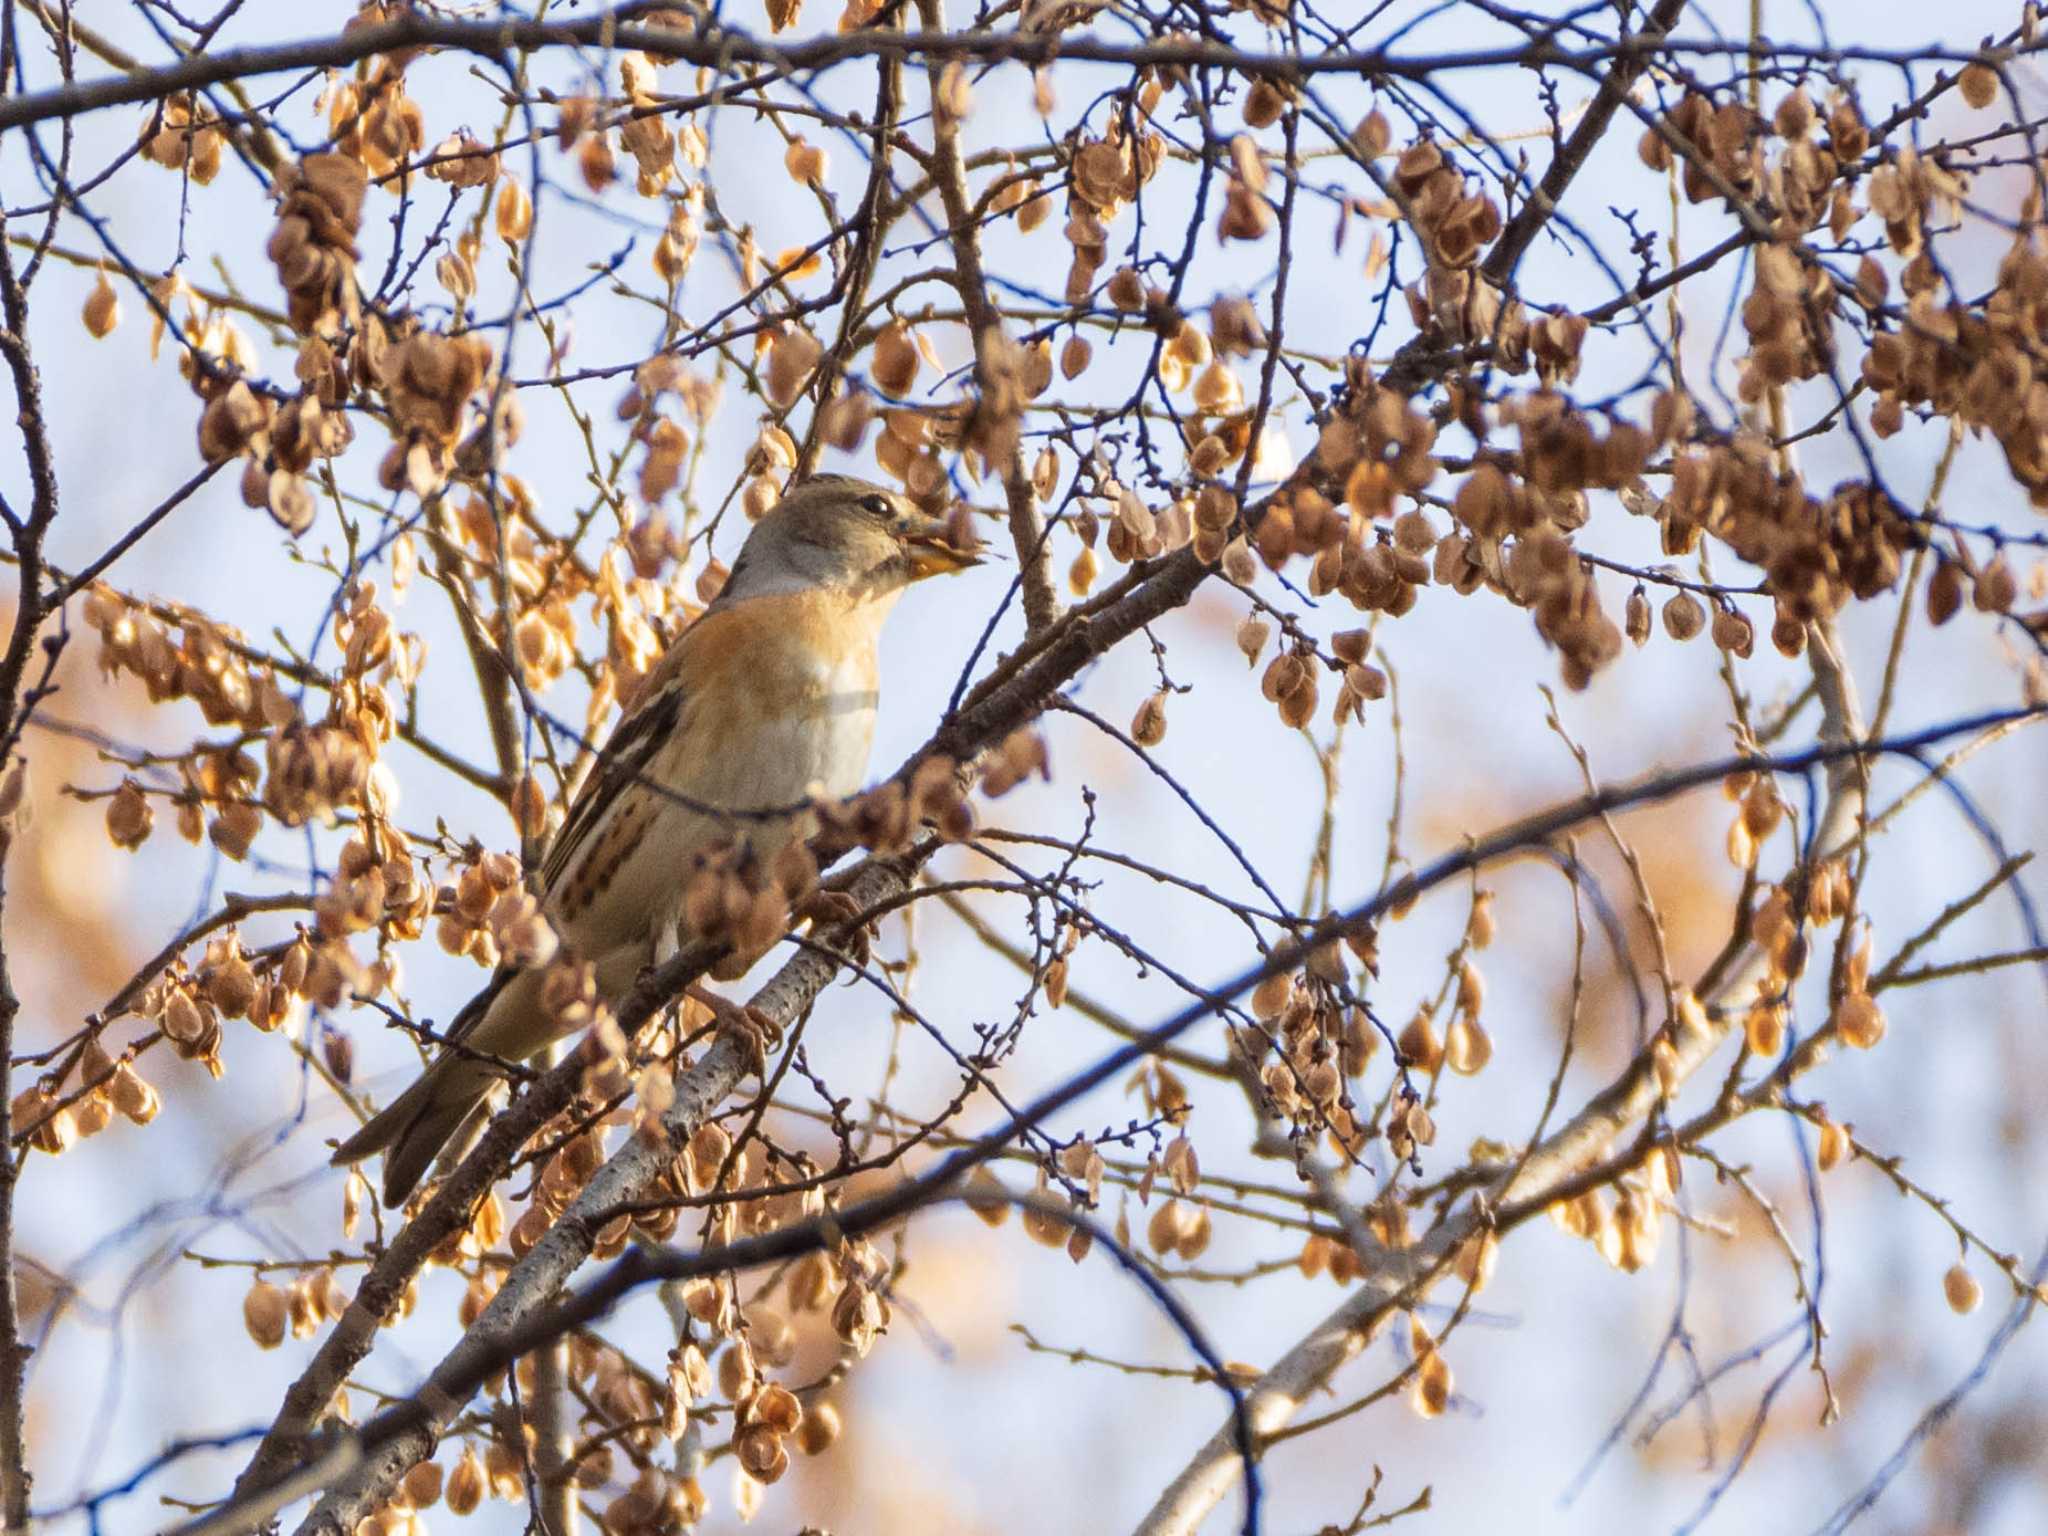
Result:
{"points": [[1944, 592], [102, 309], [1859, 1021], [1683, 616], [1962, 1290], [1834, 1146], [265, 1313], [1148, 729], [1979, 85], [1996, 587]]}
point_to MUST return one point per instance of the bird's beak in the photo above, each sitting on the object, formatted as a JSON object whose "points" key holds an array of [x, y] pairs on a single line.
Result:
{"points": [[932, 553]]}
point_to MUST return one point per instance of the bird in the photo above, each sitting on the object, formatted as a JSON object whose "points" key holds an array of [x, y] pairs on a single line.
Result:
{"points": [[764, 702]]}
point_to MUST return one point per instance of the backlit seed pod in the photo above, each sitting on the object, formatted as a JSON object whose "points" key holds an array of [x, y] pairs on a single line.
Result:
{"points": [[1762, 810], [513, 212], [1299, 707], [599, 166], [1979, 85], [1252, 636], [129, 816], [804, 161], [1636, 617], [1419, 1044], [1239, 565], [1431, 1394], [1944, 592], [422, 1485], [1996, 587], [102, 309], [1082, 573], [819, 1429], [265, 1313], [1962, 1290], [132, 1095], [791, 360], [1271, 996], [1148, 729], [1683, 616], [1467, 1046], [985, 1197], [1733, 632], [1075, 356], [1858, 1020], [1471, 988], [896, 360], [466, 1484], [1834, 1146], [1763, 1030], [1788, 636]]}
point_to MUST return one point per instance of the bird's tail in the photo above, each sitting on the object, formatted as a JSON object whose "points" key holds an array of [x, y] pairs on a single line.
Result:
{"points": [[413, 1128]]}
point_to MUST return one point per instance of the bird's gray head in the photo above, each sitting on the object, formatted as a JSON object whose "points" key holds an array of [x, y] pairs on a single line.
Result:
{"points": [[843, 534]]}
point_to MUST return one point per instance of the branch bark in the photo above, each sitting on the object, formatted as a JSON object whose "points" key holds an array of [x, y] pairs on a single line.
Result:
{"points": [[1397, 1279]]}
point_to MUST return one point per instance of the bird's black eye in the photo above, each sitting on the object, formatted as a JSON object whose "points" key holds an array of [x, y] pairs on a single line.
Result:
{"points": [[879, 505]]}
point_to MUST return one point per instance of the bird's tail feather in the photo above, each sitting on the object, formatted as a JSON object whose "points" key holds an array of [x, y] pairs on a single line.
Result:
{"points": [[419, 1122]]}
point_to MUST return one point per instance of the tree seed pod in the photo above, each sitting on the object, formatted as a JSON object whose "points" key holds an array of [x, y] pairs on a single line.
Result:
{"points": [[1979, 85], [265, 1313], [1467, 1046], [466, 1484], [805, 162], [422, 1485], [1148, 729], [129, 816], [986, 1197], [102, 309], [1834, 1146], [1858, 1020], [1944, 592], [1431, 1394], [819, 1429], [1962, 1290], [1252, 636], [1996, 587], [1419, 1044], [1683, 616], [896, 359], [1733, 632], [1763, 1030]]}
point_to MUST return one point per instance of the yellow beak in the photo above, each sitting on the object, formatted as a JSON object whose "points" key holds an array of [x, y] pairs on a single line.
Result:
{"points": [[931, 553]]}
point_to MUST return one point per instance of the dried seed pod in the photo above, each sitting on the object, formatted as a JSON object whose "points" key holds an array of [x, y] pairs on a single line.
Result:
{"points": [[1148, 729], [265, 1313], [102, 308], [1944, 592], [1431, 1394], [1962, 1290], [819, 1429], [1858, 1020], [1996, 588], [1763, 1030], [1467, 1046], [129, 816], [1834, 1146], [466, 1484], [422, 1485], [1419, 1044], [1683, 616], [1979, 84]]}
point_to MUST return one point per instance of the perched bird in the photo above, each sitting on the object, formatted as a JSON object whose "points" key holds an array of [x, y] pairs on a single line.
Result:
{"points": [[765, 701]]}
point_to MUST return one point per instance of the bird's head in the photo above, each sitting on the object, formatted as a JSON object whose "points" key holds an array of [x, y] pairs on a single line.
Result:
{"points": [[836, 532]]}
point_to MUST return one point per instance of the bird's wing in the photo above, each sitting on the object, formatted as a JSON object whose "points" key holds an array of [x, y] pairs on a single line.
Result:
{"points": [[624, 760]]}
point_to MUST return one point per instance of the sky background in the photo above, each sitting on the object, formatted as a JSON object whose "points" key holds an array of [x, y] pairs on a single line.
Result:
{"points": [[954, 1423]]}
